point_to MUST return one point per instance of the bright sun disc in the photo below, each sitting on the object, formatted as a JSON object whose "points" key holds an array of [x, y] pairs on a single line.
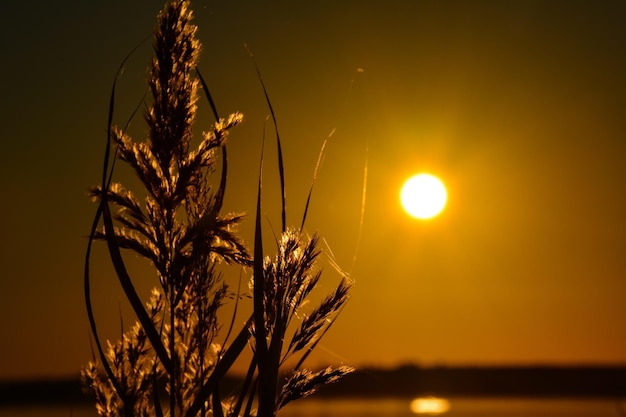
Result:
{"points": [[423, 196]]}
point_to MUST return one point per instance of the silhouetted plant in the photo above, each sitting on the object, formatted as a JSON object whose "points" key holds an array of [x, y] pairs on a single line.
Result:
{"points": [[180, 228]]}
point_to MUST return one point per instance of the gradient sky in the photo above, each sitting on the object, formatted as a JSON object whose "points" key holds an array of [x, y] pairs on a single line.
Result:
{"points": [[519, 106]]}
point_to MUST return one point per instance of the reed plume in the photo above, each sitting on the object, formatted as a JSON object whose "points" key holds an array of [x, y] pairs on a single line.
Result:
{"points": [[180, 229]]}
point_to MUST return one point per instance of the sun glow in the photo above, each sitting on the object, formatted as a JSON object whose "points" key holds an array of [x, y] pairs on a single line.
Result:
{"points": [[430, 405], [423, 196]]}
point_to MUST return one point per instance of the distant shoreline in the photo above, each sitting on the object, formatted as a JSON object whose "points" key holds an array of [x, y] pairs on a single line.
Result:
{"points": [[481, 381], [403, 382]]}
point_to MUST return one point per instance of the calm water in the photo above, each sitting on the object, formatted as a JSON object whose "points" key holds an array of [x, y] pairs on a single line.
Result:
{"points": [[458, 407]]}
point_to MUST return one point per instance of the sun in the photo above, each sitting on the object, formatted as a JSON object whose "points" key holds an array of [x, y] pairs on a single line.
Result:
{"points": [[423, 196]]}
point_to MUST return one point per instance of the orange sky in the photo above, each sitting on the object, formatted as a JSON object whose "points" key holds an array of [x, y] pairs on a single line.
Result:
{"points": [[520, 106]]}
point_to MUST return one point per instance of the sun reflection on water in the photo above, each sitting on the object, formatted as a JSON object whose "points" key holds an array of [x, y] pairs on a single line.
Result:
{"points": [[431, 406]]}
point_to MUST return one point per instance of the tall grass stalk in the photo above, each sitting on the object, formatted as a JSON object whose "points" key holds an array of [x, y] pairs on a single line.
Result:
{"points": [[179, 227]]}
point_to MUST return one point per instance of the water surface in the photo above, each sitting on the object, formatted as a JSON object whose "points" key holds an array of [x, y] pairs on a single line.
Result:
{"points": [[459, 407]]}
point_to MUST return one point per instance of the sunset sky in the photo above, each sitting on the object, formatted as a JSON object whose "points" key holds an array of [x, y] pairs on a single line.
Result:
{"points": [[518, 106]]}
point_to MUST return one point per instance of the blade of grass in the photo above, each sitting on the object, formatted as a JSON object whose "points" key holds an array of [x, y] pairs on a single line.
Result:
{"points": [[158, 410], [90, 315], [208, 95], [362, 219], [259, 292], [219, 198], [118, 74], [281, 167], [94, 227], [129, 288], [114, 250], [317, 166], [247, 412], [245, 389], [232, 320], [216, 402], [232, 353]]}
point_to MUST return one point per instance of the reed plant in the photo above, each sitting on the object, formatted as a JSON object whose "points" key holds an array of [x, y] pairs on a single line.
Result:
{"points": [[180, 228]]}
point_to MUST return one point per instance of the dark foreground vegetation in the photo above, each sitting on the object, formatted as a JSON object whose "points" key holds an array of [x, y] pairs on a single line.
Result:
{"points": [[407, 381], [175, 360]]}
